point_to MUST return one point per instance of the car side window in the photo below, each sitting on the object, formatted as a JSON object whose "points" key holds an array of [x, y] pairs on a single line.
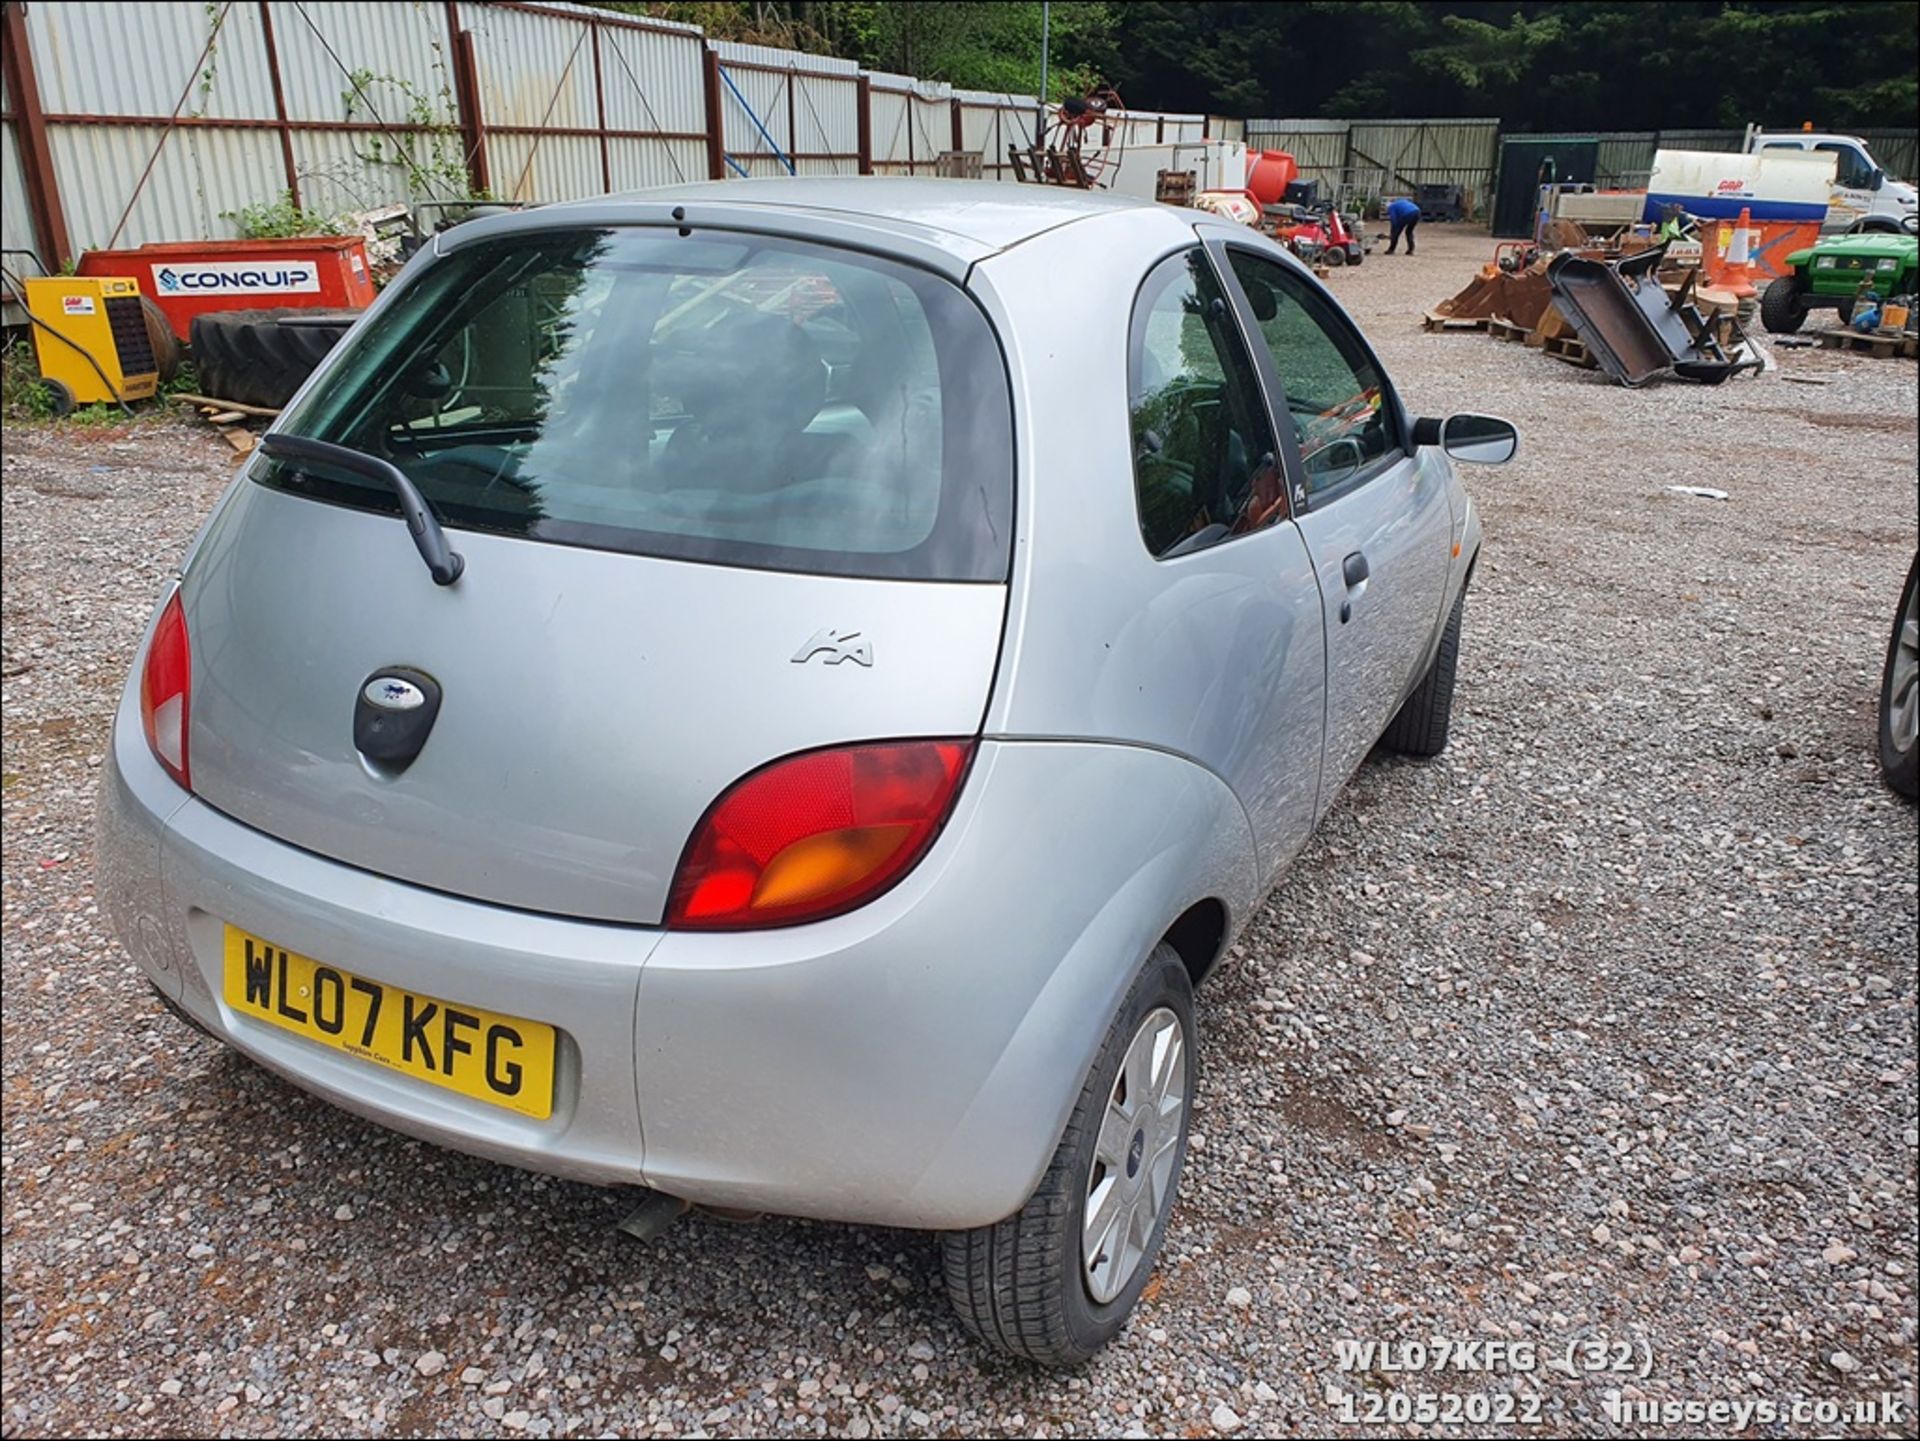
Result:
{"points": [[1204, 465], [1853, 170], [1336, 396]]}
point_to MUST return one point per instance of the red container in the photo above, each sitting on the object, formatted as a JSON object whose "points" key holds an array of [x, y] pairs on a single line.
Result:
{"points": [[1269, 173], [191, 277]]}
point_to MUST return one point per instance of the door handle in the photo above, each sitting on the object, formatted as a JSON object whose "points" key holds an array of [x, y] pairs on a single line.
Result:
{"points": [[1354, 570]]}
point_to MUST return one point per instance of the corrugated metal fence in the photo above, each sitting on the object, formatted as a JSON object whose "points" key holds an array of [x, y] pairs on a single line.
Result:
{"points": [[1361, 159], [135, 120]]}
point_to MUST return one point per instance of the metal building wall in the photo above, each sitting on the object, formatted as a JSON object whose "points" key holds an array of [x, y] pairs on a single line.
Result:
{"points": [[16, 220]]}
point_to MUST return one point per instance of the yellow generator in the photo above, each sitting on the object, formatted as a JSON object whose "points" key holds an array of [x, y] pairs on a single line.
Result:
{"points": [[90, 337]]}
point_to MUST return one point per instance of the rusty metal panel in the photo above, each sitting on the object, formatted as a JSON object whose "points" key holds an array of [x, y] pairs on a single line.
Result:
{"points": [[827, 123], [991, 122], [536, 69], [403, 46], [640, 164], [97, 57], [199, 175], [807, 104], [912, 123], [16, 220], [753, 102], [652, 81], [341, 170], [544, 168]]}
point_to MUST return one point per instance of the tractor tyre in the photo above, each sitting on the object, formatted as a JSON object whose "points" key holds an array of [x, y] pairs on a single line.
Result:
{"points": [[261, 357], [160, 337]]}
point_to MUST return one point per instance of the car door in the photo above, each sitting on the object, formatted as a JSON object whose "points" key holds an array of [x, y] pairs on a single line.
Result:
{"points": [[1229, 631], [1377, 519], [1853, 195]]}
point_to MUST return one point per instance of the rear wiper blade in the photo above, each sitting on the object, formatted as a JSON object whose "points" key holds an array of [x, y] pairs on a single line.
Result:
{"points": [[443, 562]]}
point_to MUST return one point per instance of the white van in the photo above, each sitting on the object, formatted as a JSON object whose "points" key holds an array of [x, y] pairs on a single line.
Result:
{"points": [[1863, 196]]}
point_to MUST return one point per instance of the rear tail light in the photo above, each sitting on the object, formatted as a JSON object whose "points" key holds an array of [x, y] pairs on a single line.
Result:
{"points": [[165, 691], [816, 834]]}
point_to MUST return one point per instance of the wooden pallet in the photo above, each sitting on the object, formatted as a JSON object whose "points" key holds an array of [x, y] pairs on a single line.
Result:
{"points": [[1500, 328], [1432, 320], [1572, 350], [229, 417], [1874, 344]]}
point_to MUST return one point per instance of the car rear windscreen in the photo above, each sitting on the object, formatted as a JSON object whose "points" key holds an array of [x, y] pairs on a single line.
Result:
{"points": [[736, 399]]}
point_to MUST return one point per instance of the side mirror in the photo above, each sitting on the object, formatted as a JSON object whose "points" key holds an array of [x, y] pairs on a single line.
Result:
{"points": [[1334, 463], [1479, 439], [1877, 179]]}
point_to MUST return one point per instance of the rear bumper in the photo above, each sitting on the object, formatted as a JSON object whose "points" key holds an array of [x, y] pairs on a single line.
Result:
{"points": [[910, 1064], [174, 872]]}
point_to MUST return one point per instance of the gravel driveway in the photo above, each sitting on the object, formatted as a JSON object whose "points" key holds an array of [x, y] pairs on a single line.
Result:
{"points": [[1600, 1027]]}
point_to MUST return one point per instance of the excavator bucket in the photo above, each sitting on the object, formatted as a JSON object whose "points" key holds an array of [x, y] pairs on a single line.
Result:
{"points": [[1479, 301], [1527, 297]]}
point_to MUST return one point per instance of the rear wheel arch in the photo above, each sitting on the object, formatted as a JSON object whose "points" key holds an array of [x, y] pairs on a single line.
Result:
{"points": [[1200, 937]]}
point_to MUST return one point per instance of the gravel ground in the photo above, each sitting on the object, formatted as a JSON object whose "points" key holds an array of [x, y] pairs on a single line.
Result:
{"points": [[1600, 1027]]}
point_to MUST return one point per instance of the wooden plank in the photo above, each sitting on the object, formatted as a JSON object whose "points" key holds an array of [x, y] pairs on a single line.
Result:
{"points": [[241, 440], [1881, 346], [217, 404]]}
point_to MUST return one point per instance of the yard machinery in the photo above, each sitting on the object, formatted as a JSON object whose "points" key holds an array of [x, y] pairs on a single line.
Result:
{"points": [[1832, 274], [91, 339], [1316, 233], [1083, 147]]}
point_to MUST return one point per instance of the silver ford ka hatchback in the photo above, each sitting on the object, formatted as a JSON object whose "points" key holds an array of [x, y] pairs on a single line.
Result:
{"points": [[777, 692]]}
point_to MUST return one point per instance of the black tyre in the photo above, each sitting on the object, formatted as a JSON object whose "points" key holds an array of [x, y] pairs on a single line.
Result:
{"points": [[60, 396], [1845, 310], [1783, 306], [1356, 254], [1336, 255], [1420, 729], [261, 357], [1900, 693], [160, 336], [1045, 1284]]}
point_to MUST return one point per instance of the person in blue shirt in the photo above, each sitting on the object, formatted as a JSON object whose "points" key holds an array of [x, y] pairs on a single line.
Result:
{"points": [[1403, 216]]}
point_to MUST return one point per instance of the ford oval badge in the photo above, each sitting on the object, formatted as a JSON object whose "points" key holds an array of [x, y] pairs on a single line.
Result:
{"points": [[389, 692], [392, 717]]}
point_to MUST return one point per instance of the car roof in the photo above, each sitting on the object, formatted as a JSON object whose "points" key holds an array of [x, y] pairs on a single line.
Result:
{"points": [[988, 214], [948, 226]]}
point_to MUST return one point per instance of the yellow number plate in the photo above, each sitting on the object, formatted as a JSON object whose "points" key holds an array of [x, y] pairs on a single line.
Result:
{"points": [[500, 1059]]}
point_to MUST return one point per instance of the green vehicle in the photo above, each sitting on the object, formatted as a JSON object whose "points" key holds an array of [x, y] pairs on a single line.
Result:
{"points": [[1832, 274]]}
